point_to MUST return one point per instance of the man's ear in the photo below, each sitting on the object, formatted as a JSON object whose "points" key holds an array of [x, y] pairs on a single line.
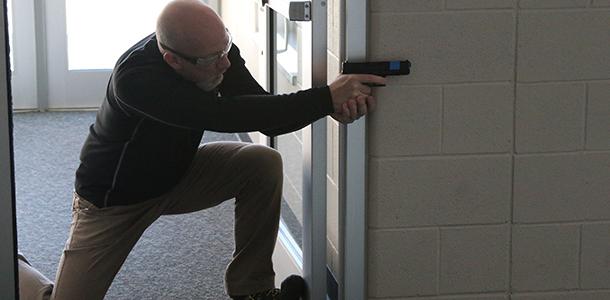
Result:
{"points": [[172, 60]]}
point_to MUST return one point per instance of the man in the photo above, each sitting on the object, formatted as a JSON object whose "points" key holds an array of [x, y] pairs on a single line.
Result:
{"points": [[142, 158]]}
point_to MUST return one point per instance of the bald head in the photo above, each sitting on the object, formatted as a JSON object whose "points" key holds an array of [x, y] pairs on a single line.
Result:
{"points": [[190, 26]]}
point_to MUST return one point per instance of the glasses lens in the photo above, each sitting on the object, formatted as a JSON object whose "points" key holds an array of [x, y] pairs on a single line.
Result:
{"points": [[215, 58]]}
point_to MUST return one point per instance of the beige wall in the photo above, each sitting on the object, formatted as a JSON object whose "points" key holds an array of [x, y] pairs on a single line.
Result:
{"points": [[489, 166], [241, 19]]}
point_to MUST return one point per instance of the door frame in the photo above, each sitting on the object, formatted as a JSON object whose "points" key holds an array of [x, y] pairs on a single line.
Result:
{"points": [[353, 170], [8, 228], [23, 51], [314, 257], [314, 140]]}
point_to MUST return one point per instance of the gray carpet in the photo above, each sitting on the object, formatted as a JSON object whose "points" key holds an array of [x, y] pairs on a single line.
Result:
{"points": [[178, 257]]}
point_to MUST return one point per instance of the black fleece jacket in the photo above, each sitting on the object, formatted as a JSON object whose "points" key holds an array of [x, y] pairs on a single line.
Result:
{"points": [[151, 122]]}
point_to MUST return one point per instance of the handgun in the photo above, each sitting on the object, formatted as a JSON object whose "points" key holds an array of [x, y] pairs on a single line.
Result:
{"points": [[379, 68]]}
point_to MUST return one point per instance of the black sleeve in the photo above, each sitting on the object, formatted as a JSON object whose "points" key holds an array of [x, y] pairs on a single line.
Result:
{"points": [[155, 91], [239, 81]]}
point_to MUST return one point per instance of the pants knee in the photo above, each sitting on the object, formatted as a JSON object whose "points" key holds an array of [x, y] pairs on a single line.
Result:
{"points": [[265, 161]]}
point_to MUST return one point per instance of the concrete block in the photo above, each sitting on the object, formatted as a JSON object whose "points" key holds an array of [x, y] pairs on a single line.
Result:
{"points": [[439, 191], [474, 259], [407, 121], [598, 117], [562, 187], [553, 3], [550, 117], [545, 257], [402, 263], [595, 271], [563, 45], [478, 118], [452, 47], [579, 295], [405, 6], [478, 4]]}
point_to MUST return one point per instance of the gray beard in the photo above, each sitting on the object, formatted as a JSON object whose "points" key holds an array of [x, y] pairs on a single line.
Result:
{"points": [[210, 85]]}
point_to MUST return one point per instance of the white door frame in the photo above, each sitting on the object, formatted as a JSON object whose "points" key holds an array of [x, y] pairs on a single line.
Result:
{"points": [[314, 141], [23, 50], [353, 182], [8, 231], [314, 238]]}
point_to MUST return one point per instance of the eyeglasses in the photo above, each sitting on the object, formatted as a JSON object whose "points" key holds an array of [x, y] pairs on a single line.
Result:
{"points": [[207, 60]]}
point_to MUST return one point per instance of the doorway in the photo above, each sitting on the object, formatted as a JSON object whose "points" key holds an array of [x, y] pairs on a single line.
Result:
{"points": [[56, 126], [310, 142]]}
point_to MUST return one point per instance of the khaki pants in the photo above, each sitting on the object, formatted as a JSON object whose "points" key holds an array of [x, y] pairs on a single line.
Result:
{"points": [[32, 284], [101, 238]]}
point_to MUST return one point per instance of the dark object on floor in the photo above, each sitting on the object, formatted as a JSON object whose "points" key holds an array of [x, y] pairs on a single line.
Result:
{"points": [[293, 288]]}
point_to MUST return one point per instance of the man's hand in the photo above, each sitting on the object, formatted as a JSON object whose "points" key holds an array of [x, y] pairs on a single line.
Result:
{"points": [[352, 110], [352, 98], [344, 116]]}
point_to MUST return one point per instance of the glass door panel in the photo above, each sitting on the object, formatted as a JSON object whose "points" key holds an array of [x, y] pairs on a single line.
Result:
{"points": [[288, 77]]}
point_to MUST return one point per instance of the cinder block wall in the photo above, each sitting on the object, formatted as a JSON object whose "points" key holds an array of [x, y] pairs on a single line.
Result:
{"points": [[489, 166]]}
